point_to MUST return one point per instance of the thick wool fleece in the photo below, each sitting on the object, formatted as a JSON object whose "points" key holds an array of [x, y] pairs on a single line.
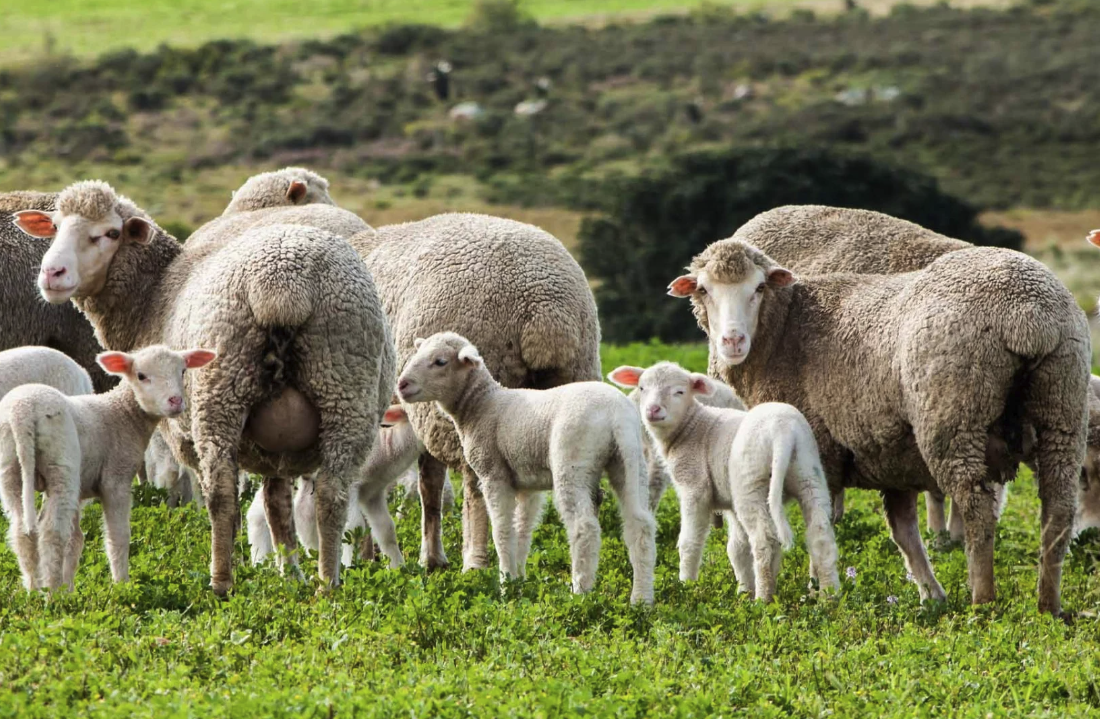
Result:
{"points": [[269, 189], [25, 319], [42, 365]]}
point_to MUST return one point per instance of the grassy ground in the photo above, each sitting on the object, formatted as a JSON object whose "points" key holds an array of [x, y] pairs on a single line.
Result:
{"points": [[399, 643]]}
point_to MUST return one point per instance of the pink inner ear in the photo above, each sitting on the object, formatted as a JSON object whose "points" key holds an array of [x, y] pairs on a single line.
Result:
{"points": [[625, 376], [137, 230], [394, 415], [1094, 237], [116, 362], [682, 286], [193, 359], [296, 191], [700, 386], [35, 223], [780, 277]]}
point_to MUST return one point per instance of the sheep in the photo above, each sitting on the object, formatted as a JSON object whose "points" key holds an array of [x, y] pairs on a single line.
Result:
{"points": [[914, 382], [43, 365], [75, 448], [395, 452], [524, 442], [511, 289], [1088, 505], [306, 362], [164, 472], [26, 319], [285, 187], [744, 464]]}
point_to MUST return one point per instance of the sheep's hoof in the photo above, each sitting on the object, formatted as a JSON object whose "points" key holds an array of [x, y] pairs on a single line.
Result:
{"points": [[221, 588], [326, 588], [436, 563], [944, 542]]}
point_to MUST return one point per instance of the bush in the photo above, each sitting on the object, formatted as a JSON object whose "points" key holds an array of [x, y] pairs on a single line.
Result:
{"points": [[654, 223]]}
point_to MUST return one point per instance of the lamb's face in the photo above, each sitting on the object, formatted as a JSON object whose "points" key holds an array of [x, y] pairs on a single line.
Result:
{"points": [[439, 370], [666, 392], [156, 375], [82, 249]]}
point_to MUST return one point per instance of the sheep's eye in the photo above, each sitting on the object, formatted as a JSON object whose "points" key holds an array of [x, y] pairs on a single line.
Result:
{"points": [[113, 234], [760, 288], [141, 377], [701, 290], [440, 362], [679, 392]]}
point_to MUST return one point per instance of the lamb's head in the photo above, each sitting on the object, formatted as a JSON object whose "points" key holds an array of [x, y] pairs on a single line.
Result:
{"points": [[728, 282], [281, 188], [666, 392], [439, 370], [155, 374], [89, 225]]}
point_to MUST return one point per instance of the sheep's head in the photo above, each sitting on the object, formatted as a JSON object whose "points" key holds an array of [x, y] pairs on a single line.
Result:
{"points": [[439, 369], [728, 283], [89, 225], [156, 375], [666, 392], [281, 188]]}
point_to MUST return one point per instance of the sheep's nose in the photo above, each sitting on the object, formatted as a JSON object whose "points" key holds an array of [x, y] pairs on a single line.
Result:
{"points": [[175, 402], [735, 341], [402, 385], [53, 273], [654, 411]]}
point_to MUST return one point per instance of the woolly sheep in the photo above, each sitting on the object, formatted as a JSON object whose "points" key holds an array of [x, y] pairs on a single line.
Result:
{"points": [[516, 293], [27, 320], [524, 442], [75, 448], [285, 187], [1088, 506], [306, 363], [164, 472], [742, 463], [395, 452], [42, 365], [914, 382]]}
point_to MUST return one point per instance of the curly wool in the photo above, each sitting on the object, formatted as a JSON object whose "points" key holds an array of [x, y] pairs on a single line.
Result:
{"points": [[269, 189], [96, 200]]}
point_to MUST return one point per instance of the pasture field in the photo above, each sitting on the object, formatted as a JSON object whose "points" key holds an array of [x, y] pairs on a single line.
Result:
{"points": [[403, 643]]}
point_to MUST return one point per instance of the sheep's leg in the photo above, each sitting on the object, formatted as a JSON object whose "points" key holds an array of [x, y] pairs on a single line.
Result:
{"points": [[219, 473], [475, 523], [55, 523], [183, 485], [381, 526], [116, 502], [279, 511], [1058, 474], [975, 503], [332, 514], [527, 517], [433, 474], [259, 534], [72, 553], [695, 514], [639, 529], [767, 552], [933, 506], [500, 500], [574, 502], [820, 540], [838, 506], [739, 551], [901, 514], [24, 545]]}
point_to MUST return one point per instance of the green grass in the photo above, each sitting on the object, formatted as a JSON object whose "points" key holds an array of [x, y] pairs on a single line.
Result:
{"points": [[401, 643]]}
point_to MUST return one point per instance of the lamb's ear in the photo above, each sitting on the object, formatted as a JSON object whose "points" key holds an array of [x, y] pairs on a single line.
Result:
{"points": [[625, 376], [683, 286], [193, 359], [35, 223], [417, 342], [394, 413], [702, 385], [296, 192], [1094, 238], [116, 363], [781, 277], [469, 355], [138, 230]]}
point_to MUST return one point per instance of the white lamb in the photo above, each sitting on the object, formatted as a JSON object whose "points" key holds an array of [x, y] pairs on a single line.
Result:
{"points": [[43, 365], [743, 463], [75, 448], [395, 452], [524, 442]]}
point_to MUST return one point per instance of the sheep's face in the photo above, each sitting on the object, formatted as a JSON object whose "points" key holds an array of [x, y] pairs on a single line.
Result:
{"points": [[439, 370], [82, 249], [156, 375], [666, 392], [731, 308]]}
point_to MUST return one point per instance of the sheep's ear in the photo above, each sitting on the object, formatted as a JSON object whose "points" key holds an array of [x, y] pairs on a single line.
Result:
{"points": [[137, 230], [702, 385], [296, 192], [35, 223], [116, 363], [469, 355], [394, 413], [683, 286], [1094, 238], [780, 277], [625, 376], [417, 342], [193, 359]]}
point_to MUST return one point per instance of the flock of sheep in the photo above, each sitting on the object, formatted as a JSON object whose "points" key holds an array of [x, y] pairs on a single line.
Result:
{"points": [[289, 339]]}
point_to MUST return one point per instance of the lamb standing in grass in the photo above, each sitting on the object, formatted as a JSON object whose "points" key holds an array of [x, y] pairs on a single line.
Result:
{"points": [[742, 463], [524, 442], [75, 448]]}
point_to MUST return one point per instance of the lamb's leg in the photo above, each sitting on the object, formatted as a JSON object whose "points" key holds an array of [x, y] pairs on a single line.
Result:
{"points": [[639, 530], [658, 479], [73, 552], [55, 524], [183, 485], [117, 500], [381, 525], [767, 552], [695, 514], [24, 545], [433, 474], [475, 523], [933, 506], [816, 509], [740, 553], [259, 534], [527, 517], [278, 508], [355, 520], [901, 514], [575, 504], [500, 501]]}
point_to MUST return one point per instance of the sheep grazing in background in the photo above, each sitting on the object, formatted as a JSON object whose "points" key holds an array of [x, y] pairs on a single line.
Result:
{"points": [[26, 319], [306, 364], [744, 464], [286, 187], [394, 453], [522, 443], [42, 365], [75, 448], [164, 472], [915, 382]]}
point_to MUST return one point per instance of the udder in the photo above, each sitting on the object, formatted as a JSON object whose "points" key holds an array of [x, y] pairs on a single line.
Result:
{"points": [[288, 422]]}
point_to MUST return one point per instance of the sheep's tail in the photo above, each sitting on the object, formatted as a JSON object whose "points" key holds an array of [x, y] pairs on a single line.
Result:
{"points": [[782, 449], [23, 431]]}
